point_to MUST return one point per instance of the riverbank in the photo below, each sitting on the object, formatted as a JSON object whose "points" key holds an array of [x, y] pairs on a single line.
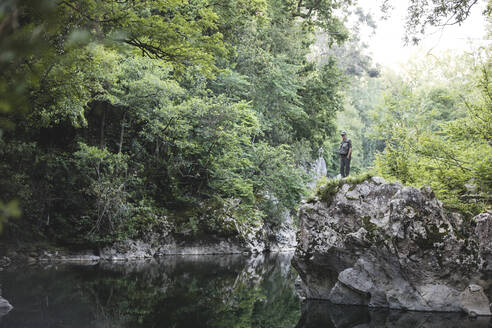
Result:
{"points": [[129, 250]]}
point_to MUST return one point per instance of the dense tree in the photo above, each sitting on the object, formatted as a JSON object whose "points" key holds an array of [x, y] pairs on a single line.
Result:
{"points": [[127, 128], [437, 133], [120, 117]]}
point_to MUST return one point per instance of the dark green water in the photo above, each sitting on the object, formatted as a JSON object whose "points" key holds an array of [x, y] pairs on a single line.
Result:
{"points": [[186, 291]]}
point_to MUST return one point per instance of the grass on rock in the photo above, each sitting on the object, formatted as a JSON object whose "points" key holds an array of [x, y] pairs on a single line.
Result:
{"points": [[327, 188]]}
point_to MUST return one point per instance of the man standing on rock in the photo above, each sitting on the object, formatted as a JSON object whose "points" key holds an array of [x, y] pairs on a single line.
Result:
{"points": [[345, 155]]}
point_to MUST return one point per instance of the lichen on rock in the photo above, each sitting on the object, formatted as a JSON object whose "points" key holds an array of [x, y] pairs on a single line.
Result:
{"points": [[386, 245]]}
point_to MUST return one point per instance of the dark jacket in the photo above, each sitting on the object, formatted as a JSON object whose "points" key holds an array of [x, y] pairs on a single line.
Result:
{"points": [[345, 146]]}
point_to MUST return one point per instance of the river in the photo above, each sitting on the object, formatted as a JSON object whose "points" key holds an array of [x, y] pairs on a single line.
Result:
{"points": [[186, 291]]}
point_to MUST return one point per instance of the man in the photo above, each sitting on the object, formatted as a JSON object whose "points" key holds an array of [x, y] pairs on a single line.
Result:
{"points": [[345, 155]]}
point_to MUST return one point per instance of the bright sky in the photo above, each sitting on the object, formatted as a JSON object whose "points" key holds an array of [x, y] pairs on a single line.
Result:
{"points": [[387, 45]]}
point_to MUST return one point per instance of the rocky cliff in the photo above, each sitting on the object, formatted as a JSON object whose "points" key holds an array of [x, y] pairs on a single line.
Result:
{"points": [[156, 245], [385, 245]]}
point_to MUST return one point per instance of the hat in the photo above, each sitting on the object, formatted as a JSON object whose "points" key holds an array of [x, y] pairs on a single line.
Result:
{"points": [[343, 133]]}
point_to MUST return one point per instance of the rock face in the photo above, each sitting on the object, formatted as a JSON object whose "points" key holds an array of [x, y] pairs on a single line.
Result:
{"points": [[384, 245], [5, 306], [483, 232], [280, 239], [283, 237]]}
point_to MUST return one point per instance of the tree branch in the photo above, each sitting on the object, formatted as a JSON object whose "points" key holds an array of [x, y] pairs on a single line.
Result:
{"points": [[114, 19]]}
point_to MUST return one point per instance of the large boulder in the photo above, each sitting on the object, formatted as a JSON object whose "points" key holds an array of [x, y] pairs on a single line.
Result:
{"points": [[281, 238], [385, 245], [483, 232]]}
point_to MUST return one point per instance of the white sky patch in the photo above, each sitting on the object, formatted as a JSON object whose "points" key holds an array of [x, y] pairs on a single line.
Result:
{"points": [[388, 49]]}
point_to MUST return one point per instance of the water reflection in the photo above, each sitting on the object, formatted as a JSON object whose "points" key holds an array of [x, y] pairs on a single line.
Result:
{"points": [[187, 291], [320, 314], [191, 291]]}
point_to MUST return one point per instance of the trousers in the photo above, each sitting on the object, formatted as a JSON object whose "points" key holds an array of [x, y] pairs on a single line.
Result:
{"points": [[344, 166]]}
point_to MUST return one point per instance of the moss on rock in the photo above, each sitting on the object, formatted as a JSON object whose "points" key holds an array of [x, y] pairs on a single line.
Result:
{"points": [[327, 190]]}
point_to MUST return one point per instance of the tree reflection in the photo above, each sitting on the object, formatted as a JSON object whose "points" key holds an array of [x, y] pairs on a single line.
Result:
{"points": [[187, 291]]}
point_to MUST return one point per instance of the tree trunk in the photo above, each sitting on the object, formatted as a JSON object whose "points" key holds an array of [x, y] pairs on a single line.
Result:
{"points": [[103, 119], [123, 122]]}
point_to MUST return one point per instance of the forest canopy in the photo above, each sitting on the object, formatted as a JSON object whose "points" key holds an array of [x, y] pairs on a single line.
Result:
{"points": [[123, 117]]}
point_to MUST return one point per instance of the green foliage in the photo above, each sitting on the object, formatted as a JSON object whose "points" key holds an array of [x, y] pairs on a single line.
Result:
{"points": [[122, 117], [326, 188], [108, 179], [16, 43], [321, 13], [362, 90], [179, 32], [7, 211], [364, 93], [144, 115], [42, 46], [435, 137]]}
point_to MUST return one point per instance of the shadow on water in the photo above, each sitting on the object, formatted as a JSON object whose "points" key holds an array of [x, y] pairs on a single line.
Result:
{"points": [[322, 314], [186, 291]]}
